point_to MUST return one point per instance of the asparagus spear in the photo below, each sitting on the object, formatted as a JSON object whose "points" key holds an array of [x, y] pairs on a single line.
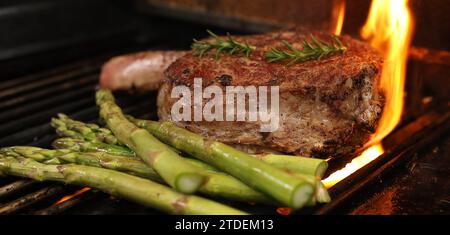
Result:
{"points": [[322, 195], [289, 189], [71, 128], [98, 159], [218, 184], [302, 165], [176, 171], [84, 146], [87, 146], [116, 183]]}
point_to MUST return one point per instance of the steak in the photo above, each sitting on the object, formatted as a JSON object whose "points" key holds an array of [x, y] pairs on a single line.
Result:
{"points": [[328, 107]]}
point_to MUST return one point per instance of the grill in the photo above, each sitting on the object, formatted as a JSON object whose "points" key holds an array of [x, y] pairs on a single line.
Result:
{"points": [[29, 101], [70, 90]]}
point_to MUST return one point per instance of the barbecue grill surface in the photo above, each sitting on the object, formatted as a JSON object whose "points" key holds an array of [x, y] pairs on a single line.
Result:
{"points": [[412, 177]]}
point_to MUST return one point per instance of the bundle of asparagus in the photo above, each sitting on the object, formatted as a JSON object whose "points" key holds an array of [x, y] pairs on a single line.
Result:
{"points": [[116, 183], [148, 150], [218, 185]]}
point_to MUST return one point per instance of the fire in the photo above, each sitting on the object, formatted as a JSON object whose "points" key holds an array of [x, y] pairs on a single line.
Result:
{"points": [[367, 156], [389, 28], [284, 210], [337, 16], [68, 197]]}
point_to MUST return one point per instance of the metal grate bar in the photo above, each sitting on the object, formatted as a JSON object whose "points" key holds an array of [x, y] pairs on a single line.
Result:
{"points": [[48, 92], [96, 62], [34, 107], [66, 205], [16, 188], [27, 87], [32, 198], [43, 117]]}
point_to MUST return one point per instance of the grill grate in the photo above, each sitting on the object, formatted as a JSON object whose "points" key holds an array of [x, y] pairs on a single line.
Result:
{"points": [[30, 102]]}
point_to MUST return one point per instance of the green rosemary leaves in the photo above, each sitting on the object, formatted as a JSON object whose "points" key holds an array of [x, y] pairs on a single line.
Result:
{"points": [[314, 50], [229, 45]]}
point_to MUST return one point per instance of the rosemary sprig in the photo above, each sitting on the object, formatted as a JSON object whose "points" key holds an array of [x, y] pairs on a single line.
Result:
{"points": [[230, 45], [314, 50]]}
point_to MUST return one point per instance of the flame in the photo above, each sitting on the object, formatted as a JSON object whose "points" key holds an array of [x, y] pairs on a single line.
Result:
{"points": [[68, 197], [284, 210], [367, 156], [337, 16], [389, 28]]}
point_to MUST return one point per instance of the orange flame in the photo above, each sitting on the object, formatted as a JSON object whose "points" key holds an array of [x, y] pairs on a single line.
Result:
{"points": [[367, 156], [68, 197], [337, 16], [389, 28], [284, 210]]}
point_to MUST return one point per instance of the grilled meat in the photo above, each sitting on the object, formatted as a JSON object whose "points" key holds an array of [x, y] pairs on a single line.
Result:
{"points": [[142, 71], [327, 107]]}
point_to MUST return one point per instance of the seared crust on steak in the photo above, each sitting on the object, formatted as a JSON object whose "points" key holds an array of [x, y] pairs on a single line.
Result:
{"points": [[327, 107], [325, 75]]}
